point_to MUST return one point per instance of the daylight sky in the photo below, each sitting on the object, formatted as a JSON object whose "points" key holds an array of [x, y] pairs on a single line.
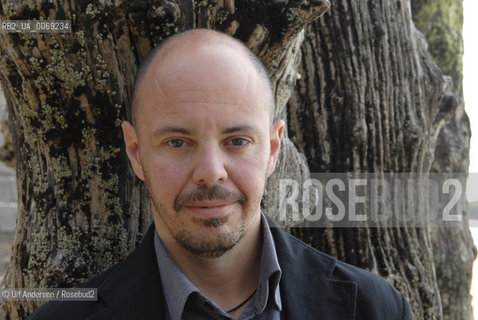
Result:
{"points": [[470, 87]]}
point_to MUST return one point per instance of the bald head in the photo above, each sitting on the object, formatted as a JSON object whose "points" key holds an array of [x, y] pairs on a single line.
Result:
{"points": [[218, 50]]}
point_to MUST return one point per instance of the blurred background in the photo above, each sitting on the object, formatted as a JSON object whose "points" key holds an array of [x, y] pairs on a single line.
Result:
{"points": [[470, 79], [8, 204]]}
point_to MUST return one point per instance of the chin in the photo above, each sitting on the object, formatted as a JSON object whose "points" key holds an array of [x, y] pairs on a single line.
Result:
{"points": [[213, 242]]}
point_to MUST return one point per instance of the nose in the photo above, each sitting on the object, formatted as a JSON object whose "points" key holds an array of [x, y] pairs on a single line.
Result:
{"points": [[209, 166]]}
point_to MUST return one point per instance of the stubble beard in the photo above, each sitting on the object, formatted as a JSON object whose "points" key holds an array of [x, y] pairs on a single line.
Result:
{"points": [[220, 242], [214, 247]]}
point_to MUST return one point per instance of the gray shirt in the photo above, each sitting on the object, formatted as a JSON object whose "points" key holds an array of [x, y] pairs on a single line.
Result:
{"points": [[185, 302]]}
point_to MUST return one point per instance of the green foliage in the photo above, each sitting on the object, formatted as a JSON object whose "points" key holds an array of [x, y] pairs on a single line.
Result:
{"points": [[442, 22]]}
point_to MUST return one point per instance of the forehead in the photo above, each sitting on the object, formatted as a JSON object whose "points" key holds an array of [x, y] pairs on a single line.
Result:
{"points": [[209, 69], [207, 75]]}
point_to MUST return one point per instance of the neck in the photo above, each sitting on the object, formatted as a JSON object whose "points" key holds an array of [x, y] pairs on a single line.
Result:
{"points": [[227, 280]]}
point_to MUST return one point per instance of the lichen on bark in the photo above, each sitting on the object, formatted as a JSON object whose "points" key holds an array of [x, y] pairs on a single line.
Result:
{"points": [[81, 209]]}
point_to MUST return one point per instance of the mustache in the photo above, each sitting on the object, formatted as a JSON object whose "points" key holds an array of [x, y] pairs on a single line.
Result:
{"points": [[203, 192]]}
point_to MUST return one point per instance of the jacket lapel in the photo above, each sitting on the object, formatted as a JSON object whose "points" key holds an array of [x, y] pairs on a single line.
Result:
{"points": [[307, 288], [134, 290]]}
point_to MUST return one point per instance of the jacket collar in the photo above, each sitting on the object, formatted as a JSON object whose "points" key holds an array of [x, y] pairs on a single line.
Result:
{"points": [[308, 290], [138, 278], [307, 286]]}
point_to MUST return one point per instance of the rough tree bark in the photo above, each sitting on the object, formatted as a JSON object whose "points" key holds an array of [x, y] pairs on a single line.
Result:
{"points": [[371, 99], [453, 249], [80, 210], [7, 155]]}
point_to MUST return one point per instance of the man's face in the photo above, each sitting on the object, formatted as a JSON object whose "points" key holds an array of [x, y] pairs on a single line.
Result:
{"points": [[204, 146]]}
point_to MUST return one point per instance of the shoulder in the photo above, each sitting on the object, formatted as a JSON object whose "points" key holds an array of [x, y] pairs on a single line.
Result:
{"points": [[374, 296], [123, 290], [76, 309]]}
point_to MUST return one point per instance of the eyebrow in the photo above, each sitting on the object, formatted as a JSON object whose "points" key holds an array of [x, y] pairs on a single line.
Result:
{"points": [[172, 129], [244, 128]]}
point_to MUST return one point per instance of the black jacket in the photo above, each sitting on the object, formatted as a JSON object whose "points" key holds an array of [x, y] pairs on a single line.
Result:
{"points": [[313, 286]]}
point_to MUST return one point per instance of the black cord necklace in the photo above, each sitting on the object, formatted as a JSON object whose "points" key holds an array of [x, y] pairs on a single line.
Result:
{"points": [[242, 303]]}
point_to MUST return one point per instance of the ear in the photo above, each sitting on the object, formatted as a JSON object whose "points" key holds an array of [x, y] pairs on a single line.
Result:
{"points": [[132, 148], [277, 130]]}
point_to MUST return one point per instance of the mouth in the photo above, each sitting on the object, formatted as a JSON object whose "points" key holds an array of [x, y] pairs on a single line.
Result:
{"points": [[210, 209]]}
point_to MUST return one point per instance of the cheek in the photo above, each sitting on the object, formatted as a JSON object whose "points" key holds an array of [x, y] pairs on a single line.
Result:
{"points": [[249, 176], [165, 178]]}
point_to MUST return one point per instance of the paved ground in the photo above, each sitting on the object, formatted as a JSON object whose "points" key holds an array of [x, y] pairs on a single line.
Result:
{"points": [[8, 199], [8, 206], [6, 239], [8, 212]]}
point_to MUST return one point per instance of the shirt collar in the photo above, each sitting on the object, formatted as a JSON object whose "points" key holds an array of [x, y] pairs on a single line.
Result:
{"points": [[270, 271], [179, 287], [175, 283]]}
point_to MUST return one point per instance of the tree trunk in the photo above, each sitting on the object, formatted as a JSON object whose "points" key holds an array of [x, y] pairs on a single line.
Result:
{"points": [[7, 155], [371, 99], [454, 252], [81, 210]]}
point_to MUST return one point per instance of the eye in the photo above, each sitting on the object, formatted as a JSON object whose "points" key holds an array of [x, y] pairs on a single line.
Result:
{"points": [[176, 143], [238, 142]]}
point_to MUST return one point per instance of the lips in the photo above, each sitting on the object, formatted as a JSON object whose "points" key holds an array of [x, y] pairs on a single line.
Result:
{"points": [[209, 209]]}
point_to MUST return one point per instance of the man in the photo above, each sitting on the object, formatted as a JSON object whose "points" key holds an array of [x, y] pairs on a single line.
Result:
{"points": [[204, 141]]}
